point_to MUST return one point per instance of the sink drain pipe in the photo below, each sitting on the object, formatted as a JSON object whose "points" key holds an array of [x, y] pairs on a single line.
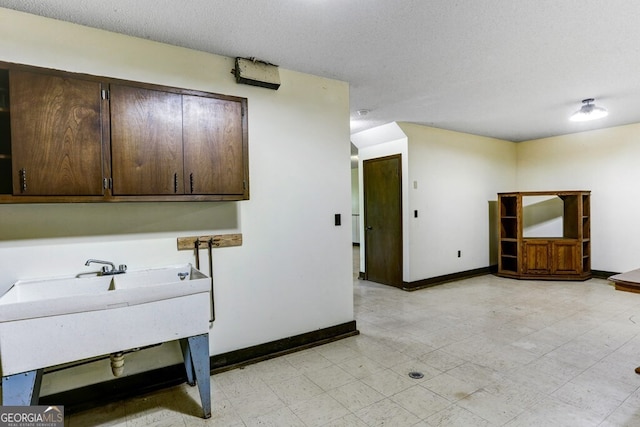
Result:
{"points": [[70, 365], [117, 363]]}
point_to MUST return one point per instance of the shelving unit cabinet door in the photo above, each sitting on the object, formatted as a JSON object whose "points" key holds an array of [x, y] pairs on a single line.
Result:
{"points": [[146, 141], [536, 257], [214, 149], [56, 135], [565, 257]]}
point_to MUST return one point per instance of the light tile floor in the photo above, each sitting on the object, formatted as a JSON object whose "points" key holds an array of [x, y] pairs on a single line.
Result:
{"points": [[493, 352]]}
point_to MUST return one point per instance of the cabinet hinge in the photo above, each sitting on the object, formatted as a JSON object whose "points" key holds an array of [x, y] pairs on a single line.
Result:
{"points": [[105, 94], [107, 183]]}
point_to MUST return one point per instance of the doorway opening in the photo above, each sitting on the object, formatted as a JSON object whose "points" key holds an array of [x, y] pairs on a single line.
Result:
{"points": [[382, 188]]}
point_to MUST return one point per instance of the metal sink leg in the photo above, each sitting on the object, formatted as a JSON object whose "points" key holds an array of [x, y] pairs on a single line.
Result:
{"points": [[21, 389], [196, 362]]}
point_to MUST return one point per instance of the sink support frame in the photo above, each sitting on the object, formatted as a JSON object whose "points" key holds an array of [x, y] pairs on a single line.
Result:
{"points": [[23, 389], [195, 351]]}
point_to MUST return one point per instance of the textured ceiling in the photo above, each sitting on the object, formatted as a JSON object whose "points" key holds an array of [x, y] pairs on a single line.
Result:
{"points": [[508, 69]]}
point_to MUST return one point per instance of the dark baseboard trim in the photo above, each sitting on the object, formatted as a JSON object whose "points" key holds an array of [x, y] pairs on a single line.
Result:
{"points": [[599, 274], [100, 394], [361, 275], [439, 280], [258, 353]]}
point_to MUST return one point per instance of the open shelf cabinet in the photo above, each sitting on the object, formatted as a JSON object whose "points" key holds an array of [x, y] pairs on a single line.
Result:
{"points": [[565, 257]]}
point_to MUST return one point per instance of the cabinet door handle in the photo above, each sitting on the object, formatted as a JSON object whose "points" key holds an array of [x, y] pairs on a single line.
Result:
{"points": [[191, 182], [175, 182], [23, 180]]}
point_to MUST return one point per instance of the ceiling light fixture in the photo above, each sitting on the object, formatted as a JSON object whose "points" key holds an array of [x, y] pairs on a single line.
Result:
{"points": [[588, 111]]}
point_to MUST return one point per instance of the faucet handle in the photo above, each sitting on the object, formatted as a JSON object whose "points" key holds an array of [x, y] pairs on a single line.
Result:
{"points": [[122, 267]]}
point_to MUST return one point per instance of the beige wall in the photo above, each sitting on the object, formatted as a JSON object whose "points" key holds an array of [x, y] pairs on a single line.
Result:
{"points": [[293, 273], [453, 179], [606, 162]]}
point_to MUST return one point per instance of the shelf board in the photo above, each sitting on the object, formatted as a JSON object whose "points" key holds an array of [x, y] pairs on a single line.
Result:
{"points": [[509, 256], [5, 156]]}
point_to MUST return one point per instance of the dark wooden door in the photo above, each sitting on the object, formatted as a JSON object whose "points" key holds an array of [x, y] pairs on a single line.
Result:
{"points": [[213, 146], [146, 141], [382, 184], [56, 134]]}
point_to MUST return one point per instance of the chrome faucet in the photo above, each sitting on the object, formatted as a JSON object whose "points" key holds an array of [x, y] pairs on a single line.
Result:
{"points": [[105, 269]]}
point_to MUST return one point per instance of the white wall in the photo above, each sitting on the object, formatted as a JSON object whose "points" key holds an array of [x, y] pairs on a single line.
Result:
{"points": [[606, 162], [457, 176], [293, 273]]}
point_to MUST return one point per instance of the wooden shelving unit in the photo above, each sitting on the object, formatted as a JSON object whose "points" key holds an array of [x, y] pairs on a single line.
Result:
{"points": [[555, 258]]}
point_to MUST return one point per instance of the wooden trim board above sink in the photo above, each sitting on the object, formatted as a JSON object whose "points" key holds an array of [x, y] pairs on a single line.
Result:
{"points": [[218, 241]]}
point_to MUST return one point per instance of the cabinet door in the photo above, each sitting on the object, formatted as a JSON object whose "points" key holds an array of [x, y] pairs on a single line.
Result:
{"points": [[565, 258], [56, 135], [146, 141], [213, 146], [536, 257]]}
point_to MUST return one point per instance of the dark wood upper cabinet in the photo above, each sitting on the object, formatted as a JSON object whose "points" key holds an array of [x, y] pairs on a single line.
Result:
{"points": [[213, 146], [67, 137], [56, 135], [146, 141]]}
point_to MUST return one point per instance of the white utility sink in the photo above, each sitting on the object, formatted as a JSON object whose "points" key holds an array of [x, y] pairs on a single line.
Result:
{"points": [[52, 321]]}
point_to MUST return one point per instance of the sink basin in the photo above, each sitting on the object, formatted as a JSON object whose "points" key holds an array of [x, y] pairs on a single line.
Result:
{"points": [[52, 321], [157, 277], [33, 290], [47, 297]]}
